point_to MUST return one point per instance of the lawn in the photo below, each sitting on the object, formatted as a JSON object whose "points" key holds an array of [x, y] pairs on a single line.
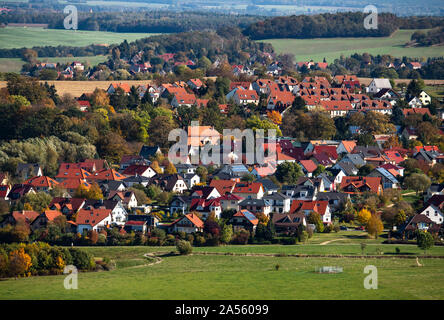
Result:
{"points": [[332, 48], [244, 278], [20, 37]]}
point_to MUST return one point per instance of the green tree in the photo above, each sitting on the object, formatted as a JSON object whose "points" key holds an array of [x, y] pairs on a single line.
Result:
{"points": [[226, 233], [417, 181], [315, 218], [424, 240], [288, 172]]}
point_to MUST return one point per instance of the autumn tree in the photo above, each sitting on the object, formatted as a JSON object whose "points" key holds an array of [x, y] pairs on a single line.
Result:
{"points": [[364, 216], [94, 192], [19, 263], [315, 218], [374, 226], [81, 192], [274, 117], [170, 168]]}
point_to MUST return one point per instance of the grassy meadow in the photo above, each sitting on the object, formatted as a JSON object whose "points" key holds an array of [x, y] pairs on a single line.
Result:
{"points": [[332, 48], [237, 277], [248, 277], [20, 37]]}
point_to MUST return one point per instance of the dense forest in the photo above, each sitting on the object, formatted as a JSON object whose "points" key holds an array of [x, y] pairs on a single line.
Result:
{"points": [[348, 24], [149, 22], [430, 38]]}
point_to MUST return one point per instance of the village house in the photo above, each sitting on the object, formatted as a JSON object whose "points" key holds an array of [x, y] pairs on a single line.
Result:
{"points": [[308, 206], [288, 223], [94, 219], [189, 223], [244, 219]]}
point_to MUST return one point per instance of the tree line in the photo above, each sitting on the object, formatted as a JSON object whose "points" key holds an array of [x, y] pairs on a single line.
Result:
{"points": [[327, 25]]}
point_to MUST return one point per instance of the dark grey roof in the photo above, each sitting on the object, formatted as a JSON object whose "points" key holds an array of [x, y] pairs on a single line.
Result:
{"points": [[436, 187], [276, 196], [356, 159], [333, 195], [107, 204], [254, 202], [136, 179], [348, 167], [268, 184], [148, 151]]}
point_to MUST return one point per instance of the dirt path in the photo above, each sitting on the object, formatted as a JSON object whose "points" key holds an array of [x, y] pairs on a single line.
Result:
{"points": [[327, 242]]}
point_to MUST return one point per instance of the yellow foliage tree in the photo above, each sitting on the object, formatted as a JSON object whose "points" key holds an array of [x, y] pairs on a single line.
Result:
{"points": [[170, 168], [81, 191], [275, 117], [374, 226], [155, 166], [27, 207], [19, 263], [364, 216], [263, 219], [94, 192]]}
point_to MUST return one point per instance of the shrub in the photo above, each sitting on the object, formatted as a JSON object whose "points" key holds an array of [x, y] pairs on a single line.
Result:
{"points": [[81, 259], [199, 240], [152, 241], [184, 247]]}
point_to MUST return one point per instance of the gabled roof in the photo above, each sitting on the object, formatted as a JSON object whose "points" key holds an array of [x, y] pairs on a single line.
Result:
{"points": [[309, 165], [223, 186], [50, 215], [248, 187], [92, 217], [106, 174], [349, 145], [205, 204], [288, 219], [194, 219], [135, 169], [24, 215], [373, 183], [73, 204], [67, 171], [41, 182], [73, 184], [248, 216], [318, 206]]}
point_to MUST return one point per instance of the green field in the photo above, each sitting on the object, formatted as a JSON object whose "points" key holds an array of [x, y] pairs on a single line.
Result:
{"points": [[332, 48], [11, 64], [231, 276], [15, 64], [19, 37], [236, 277]]}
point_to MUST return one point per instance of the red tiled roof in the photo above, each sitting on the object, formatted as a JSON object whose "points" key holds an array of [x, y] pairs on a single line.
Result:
{"points": [[42, 181], [92, 217], [309, 165], [51, 214], [373, 183], [28, 216], [316, 206], [248, 187], [223, 186], [106, 174]]}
